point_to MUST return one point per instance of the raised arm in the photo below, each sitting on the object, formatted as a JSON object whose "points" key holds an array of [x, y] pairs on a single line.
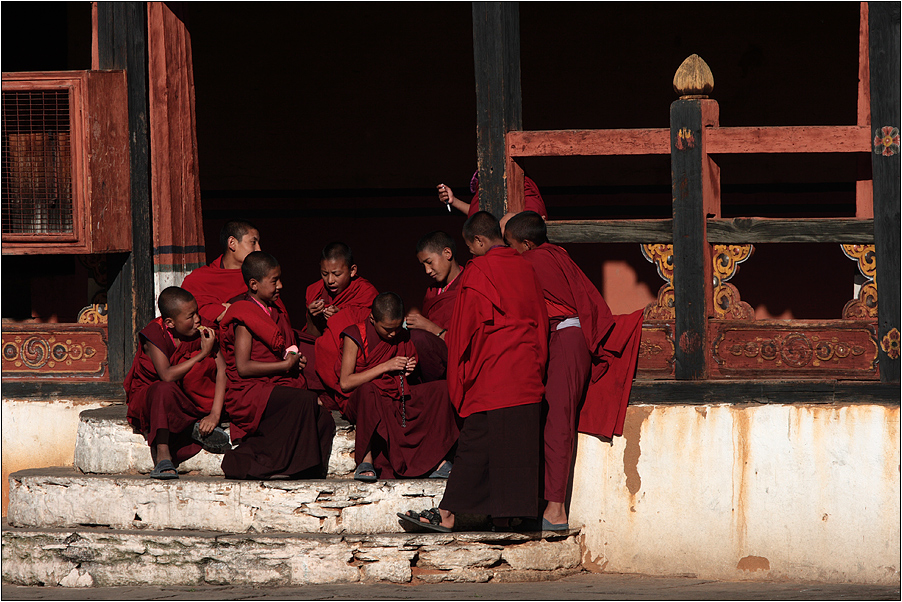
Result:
{"points": [[350, 379], [169, 373], [446, 196]]}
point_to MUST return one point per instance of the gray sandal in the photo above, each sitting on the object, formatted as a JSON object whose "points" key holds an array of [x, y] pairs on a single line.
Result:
{"points": [[164, 470]]}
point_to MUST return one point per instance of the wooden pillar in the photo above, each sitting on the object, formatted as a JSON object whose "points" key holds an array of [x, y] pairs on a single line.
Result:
{"points": [[883, 38], [121, 43], [496, 53], [695, 195]]}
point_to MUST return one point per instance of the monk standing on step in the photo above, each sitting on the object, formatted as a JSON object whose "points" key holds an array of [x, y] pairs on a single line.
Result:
{"points": [[497, 350], [591, 354]]}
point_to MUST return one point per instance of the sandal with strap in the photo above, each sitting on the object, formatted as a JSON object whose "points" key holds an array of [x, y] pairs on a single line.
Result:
{"points": [[433, 516], [365, 467], [164, 470]]}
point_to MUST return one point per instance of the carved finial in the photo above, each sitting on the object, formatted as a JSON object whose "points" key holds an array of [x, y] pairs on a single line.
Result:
{"points": [[694, 78]]}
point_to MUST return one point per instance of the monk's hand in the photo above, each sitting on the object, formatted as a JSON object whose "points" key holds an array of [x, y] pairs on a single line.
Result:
{"points": [[206, 424], [302, 361], [330, 311], [411, 364], [207, 339], [396, 364], [317, 307], [226, 306], [415, 320], [445, 194], [292, 359]]}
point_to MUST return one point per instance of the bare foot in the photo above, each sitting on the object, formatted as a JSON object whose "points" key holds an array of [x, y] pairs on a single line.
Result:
{"points": [[555, 513]]}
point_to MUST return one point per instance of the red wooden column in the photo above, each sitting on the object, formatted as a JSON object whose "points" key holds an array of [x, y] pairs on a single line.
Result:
{"points": [[696, 195]]}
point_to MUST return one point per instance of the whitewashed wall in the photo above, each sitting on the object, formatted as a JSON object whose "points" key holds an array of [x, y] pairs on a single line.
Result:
{"points": [[744, 492]]}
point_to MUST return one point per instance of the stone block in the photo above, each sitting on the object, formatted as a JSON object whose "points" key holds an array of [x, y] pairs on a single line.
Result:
{"points": [[543, 555], [447, 557]]}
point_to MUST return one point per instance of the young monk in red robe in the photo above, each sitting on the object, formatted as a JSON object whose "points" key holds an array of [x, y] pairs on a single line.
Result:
{"points": [[497, 349], [403, 429], [281, 430], [591, 353], [437, 253], [216, 284], [339, 299], [176, 385], [533, 198]]}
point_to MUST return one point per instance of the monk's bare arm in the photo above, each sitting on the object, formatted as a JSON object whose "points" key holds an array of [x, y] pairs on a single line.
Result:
{"points": [[350, 380], [446, 195], [211, 421], [248, 368], [169, 373], [312, 328], [419, 321]]}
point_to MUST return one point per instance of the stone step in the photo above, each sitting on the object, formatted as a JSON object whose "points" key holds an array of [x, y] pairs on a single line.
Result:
{"points": [[63, 497], [99, 557], [105, 444]]}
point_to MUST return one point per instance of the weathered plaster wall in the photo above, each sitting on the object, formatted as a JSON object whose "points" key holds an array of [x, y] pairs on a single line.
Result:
{"points": [[744, 492], [38, 434]]}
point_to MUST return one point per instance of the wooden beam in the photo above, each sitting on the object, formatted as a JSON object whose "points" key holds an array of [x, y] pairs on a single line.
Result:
{"points": [[790, 139], [745, 230], [691, 251], [588, 143], [496, 53], [121, 41], [886, 120], [762, 392], [625, 230]]}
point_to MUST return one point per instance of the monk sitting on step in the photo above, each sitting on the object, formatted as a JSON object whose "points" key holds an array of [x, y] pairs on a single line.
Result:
{"points": [[403, 429], [176, 385], [281, 430]]}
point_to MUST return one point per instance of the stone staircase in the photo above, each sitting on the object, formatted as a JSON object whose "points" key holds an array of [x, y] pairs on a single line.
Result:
{"points": [[104, 523]]}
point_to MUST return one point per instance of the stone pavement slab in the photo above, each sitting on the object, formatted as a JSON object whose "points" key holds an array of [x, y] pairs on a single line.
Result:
{"points": [[583, 586]]}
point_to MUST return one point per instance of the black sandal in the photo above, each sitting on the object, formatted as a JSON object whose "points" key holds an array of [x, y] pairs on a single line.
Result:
{"points": [[433, 516]]}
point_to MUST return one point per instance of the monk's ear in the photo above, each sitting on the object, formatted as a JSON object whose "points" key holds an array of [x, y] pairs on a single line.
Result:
{"points": [[353, 270], [232, 243], [169, 323], [446, 253], [253, 284], [372, 320]]}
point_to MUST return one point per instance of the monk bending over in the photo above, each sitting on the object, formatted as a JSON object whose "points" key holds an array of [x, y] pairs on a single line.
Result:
{"points": [[176, 385], [403, 429], [281, 430]]}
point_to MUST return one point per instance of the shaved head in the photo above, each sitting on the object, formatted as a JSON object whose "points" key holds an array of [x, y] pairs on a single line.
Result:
{"points": [[482, 223], [387, 307], [527, 225]]}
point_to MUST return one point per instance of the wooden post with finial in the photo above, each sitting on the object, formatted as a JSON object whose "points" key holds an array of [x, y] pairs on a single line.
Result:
{"points": [[696, 196]]}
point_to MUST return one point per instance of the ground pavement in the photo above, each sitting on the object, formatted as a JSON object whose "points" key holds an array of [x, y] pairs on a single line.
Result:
{"points": [[583, 586]]}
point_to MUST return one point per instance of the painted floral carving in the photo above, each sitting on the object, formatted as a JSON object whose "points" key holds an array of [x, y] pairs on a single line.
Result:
{"points": [[686, 139], [886, 141], [890, 344], [662, 256]]}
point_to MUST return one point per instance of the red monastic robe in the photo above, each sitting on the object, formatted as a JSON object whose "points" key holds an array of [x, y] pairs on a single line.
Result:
{"points": [[438, 304], [612, 340], [498, 337], [246, 398], [419, 431], [212, 286], [354, 304], [532, 199], [154, 405]]}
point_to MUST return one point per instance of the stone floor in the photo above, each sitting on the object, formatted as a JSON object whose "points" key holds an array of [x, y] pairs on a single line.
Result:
{"points": [[582, 586]]}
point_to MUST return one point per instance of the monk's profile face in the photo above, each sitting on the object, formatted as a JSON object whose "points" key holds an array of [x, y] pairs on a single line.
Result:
{"points": [[184, 324], [437, 265], [520, 246], [336, 274], [270, 287], [249, 243], [387, 329]]}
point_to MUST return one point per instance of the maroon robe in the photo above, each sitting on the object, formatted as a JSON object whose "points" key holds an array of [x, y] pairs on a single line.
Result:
{"points": [[497, 350], [212, 286], [354, 304], [414, 434], [532, 199], [154, 405], [438, 306], [613, 341], [280, 427]]}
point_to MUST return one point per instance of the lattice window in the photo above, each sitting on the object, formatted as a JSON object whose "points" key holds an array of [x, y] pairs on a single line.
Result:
{"points": [[37, 162]]}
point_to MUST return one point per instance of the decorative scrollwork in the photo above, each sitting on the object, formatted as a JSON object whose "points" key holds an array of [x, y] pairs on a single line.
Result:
{"points": [[864, 307], [662, 256], [727, 304], [96, 313]]}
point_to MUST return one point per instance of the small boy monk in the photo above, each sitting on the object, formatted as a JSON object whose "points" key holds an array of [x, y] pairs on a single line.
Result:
{"points": [[216, 284], [437, 253], [533, 198], [176, 385], [281, 430], [497, 349], [403, 429], [339, 299], [591, 354]]}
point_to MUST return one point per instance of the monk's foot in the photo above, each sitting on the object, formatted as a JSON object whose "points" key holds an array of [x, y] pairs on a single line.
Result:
{"points": [[435, 519], [555, 514]]}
